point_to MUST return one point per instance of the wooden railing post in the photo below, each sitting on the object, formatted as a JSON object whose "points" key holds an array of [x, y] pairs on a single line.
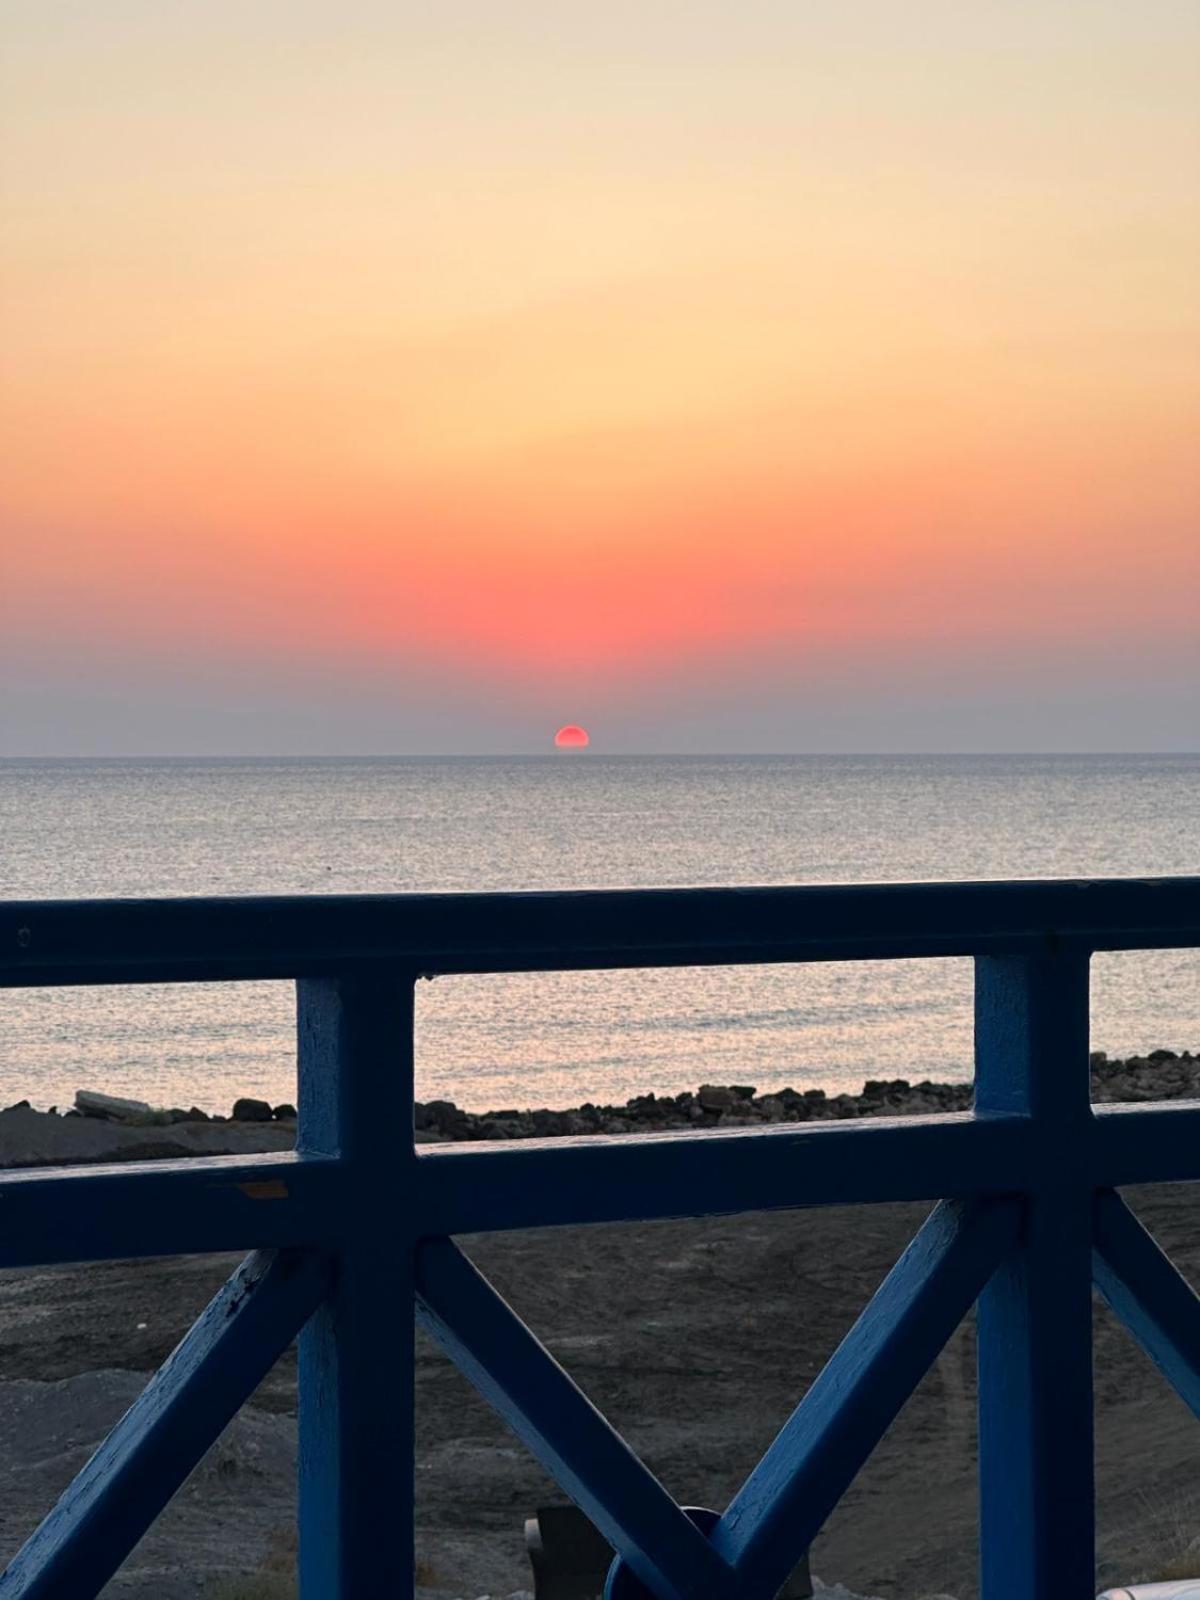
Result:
{"points": [[1037, 1517], [355, 1051]]}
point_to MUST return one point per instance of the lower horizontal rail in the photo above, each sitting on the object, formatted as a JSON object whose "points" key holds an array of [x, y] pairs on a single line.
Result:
{"points": [[196, 1205], [51, 1215], [1152, 1143], [547, 1182]]}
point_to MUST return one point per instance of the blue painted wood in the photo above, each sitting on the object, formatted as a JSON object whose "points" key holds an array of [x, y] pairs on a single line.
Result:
{"points": [[166, 1431], [1145, 1144], [353, 1192], [775, 1516], [591, 1463], [124, 941], [356, 1354], [158, 1208], [1154, 1301], [1037, 1532], [478, 1188]]}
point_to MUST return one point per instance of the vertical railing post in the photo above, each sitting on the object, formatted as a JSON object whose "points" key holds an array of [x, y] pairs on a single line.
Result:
{"points": [[1037, 1493], [355, 1050]]}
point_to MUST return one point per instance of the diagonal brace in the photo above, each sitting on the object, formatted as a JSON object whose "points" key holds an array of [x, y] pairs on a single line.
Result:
{"points": [[777, 1513], [1154, 1301], [556, 1421], [208, 1376]]}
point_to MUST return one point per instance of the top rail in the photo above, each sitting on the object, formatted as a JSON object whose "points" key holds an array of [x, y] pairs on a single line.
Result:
{"points": [[50, 943]]}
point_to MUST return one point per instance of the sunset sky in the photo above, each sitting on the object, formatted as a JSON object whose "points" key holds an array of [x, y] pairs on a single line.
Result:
{"points": [[773, 376]]}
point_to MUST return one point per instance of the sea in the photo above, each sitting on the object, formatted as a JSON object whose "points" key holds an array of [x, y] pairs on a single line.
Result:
{"points": [[227, 827]]}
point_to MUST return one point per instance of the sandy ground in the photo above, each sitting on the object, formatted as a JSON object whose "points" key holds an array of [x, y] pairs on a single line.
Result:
{"points": [[695, 1338]]}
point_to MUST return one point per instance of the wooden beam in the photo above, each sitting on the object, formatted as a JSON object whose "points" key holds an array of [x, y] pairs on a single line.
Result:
{"points": [[1152, 1143], [164, 1434], [356, 1396], [558, 1424], [1151, 1297], [780, 1509], [472, 1188], [160, 1208], [46, 942], [1037, 1498]]}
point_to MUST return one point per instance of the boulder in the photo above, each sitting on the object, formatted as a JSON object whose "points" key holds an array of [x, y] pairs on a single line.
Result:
{"points": [[284, 1113], [713, 1097], [110, 1107], [247, 1110]]}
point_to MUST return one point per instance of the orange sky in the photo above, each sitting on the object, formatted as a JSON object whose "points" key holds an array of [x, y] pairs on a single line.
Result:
{"points": [[564, 367]]}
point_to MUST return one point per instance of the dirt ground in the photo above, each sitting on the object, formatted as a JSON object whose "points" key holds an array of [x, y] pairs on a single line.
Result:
{"points": [[696, 1339]]}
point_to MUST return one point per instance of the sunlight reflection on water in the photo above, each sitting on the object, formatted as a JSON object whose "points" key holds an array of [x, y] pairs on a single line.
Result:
{"points": [[91, 828]]}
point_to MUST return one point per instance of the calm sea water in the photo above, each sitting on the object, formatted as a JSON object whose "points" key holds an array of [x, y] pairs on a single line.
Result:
{"points": [[310, 827]]}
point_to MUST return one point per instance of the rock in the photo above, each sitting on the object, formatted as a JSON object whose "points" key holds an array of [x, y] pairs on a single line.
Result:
{"points": [[1162, 1055], [743, 1091], [445, 1117], [111, 1107], [18, 1105], [713, 1097], [196, 1115], [284, 1113], [247, 1110]]}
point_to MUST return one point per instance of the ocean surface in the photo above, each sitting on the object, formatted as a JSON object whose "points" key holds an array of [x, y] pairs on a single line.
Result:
{"points": [[179, 827]]}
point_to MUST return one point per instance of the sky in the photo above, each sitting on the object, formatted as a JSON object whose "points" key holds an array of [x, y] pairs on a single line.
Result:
{"points": [[393, 377]]}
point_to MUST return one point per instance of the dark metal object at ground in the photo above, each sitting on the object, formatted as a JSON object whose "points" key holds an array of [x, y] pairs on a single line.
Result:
{"points": [[570, 1559], [568, 1556]]}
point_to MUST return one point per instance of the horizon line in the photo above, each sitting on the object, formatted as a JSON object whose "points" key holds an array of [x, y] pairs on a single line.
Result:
{"points": [[593, 753]]}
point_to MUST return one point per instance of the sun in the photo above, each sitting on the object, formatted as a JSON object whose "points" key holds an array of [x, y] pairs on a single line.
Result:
{"points": [[571, 737]]}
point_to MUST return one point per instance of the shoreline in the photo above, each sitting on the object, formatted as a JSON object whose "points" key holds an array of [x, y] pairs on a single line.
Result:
{"points": [[1160, 1075], [116, 1130]]}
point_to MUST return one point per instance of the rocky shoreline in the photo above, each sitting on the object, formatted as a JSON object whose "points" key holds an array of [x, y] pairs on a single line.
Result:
{"points": [[87, 1130], [1161, 1075]]}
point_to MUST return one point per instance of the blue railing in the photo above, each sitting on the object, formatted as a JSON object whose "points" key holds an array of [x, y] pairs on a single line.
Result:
{"points": [[355, 1229]]}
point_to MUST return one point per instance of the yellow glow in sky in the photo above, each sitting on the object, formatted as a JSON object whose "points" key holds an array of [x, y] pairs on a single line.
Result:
{"points": [[624, 344]]}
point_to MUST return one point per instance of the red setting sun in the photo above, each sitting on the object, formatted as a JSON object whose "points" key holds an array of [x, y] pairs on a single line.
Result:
{"points": [[571, 737]]}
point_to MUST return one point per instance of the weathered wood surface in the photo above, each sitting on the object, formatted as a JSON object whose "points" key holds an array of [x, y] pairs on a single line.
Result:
{"points": [[357, 1209], [156, 941], [181, 1412]]}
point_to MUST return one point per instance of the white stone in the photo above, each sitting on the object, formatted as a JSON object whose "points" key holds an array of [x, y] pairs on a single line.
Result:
{"points": [[94, 1104]]}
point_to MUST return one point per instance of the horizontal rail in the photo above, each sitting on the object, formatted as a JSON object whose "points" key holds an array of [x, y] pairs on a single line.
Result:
{"points": [[52, 1215], [47, 943], [200, 1204], [551, 1182]]}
